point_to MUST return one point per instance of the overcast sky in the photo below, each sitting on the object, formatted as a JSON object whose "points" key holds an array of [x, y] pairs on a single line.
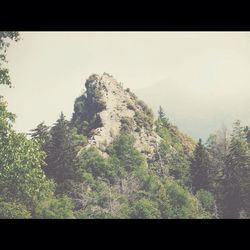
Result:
{"points": [[48, 70]]}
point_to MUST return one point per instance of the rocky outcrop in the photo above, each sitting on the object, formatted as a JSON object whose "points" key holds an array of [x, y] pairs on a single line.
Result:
{"points": [[108, 109]]}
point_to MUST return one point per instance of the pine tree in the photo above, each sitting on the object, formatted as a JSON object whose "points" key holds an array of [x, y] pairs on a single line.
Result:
{"points": [[41, 133], [218, 148], [247, 131], [200, 168], [236, 175], [57, 161], [62, 150], [246, 181], [162, 118]]}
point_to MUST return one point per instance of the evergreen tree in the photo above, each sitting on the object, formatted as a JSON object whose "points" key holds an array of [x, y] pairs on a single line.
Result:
{"points": [[247, 131], [41, 133], [62, 150], [199, 168], [236, 175], [218, 148], [80, 115], [163, 120]]}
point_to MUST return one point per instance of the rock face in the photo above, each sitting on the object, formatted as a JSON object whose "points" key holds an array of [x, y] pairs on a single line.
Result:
{"points": [[109, 109]]}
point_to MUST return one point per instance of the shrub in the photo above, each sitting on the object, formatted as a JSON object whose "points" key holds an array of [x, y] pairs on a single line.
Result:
{"points": [[146, 109], [126, 123], [184, 204], [90, 161], [143, 120], [12, 210], [55, 208], [144, 209]]}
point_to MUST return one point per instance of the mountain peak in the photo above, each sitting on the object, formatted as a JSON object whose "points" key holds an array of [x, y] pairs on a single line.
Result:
{"points": [[106, 109]]}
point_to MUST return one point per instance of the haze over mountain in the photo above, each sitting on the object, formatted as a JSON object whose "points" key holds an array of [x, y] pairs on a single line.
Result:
{"points": [[198, 111]]}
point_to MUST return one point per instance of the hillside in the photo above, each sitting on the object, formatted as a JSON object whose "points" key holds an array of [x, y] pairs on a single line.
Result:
{"points": [[114, 159]]}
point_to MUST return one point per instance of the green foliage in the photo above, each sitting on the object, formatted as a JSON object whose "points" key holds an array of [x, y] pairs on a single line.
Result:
{"points": [[42, 135], [5, 38], [6, 119], [183, 203], [97, 198], [176, 143], [217, 146], [247, 131], [199, 168], [173, 136], [63, 147], [94, 100], [173, 155], [55, 208], [125, 153], [206, 199], [90, 161], [144, 209], [236, 188], [85, 118], [13, 210], [229, 171], [124, 158], [162, 119], [80, 115], [21, 163]]}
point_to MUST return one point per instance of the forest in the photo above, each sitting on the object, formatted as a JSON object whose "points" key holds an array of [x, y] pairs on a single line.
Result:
{"points": [[53, 172]]}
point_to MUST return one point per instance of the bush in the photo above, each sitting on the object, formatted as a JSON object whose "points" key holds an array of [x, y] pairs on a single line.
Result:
{"points": [[144, 209], [146, 109], [128, 156], [90, 161], [55, 208], [143, 120], [126, 123], [184, 204], [12, 210]]}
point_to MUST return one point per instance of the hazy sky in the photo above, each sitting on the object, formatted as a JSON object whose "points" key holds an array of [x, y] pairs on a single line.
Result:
{"points": [[48, 71]]}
